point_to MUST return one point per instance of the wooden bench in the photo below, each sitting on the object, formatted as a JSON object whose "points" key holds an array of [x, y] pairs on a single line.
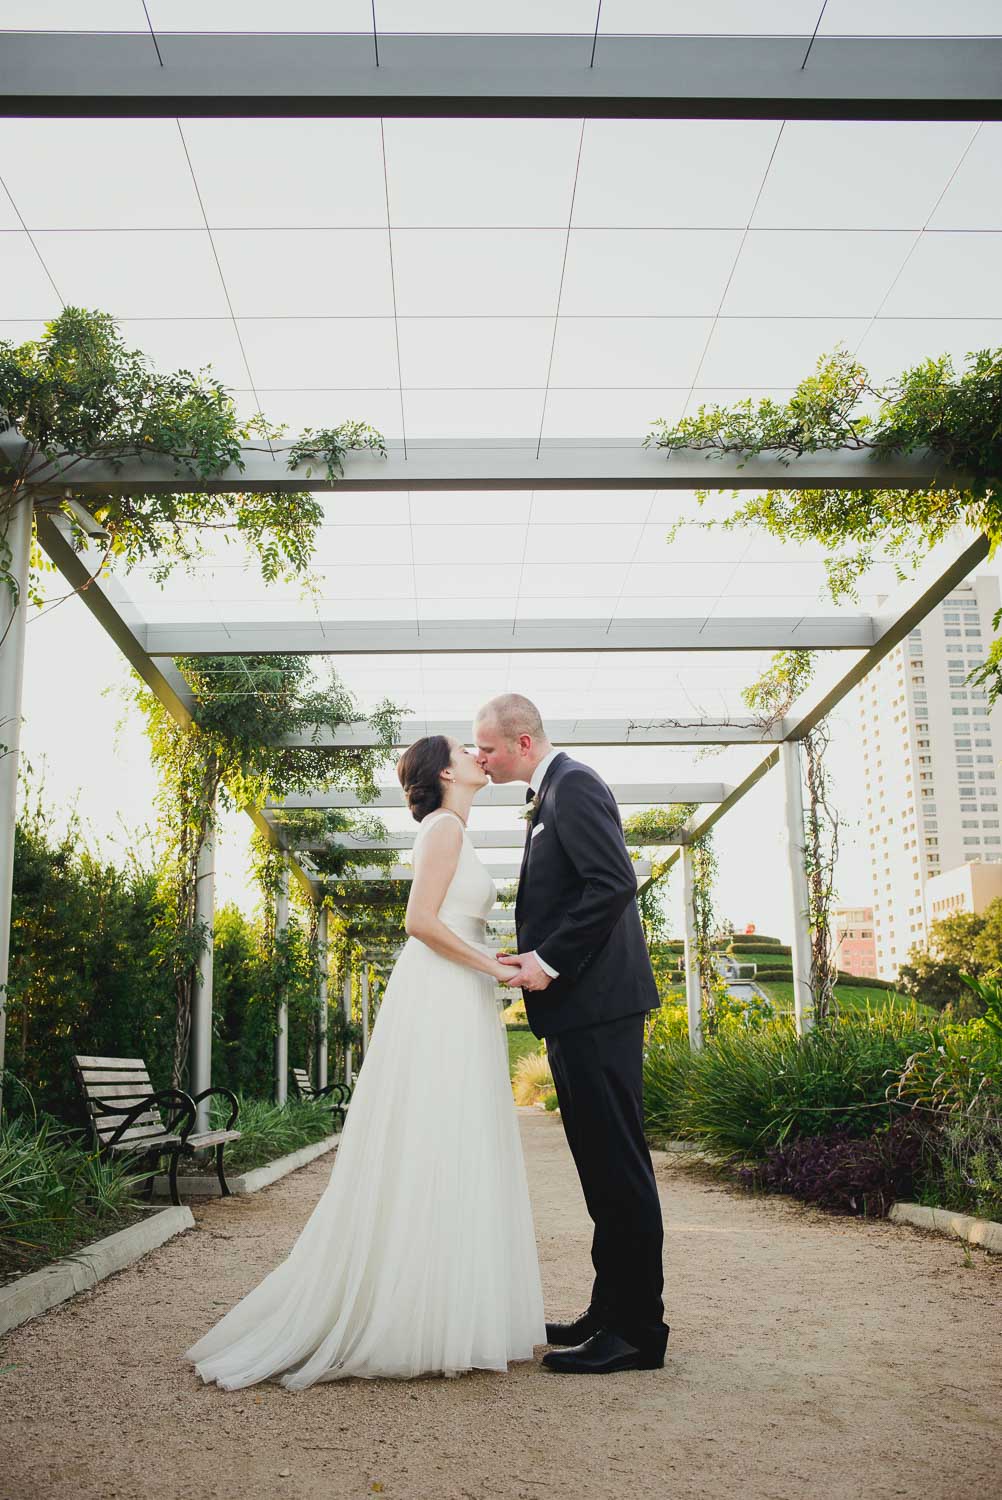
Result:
{"points": [[338, 1093], [125, 1116]]}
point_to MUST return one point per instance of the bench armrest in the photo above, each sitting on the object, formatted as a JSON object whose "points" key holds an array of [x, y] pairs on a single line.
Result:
{"points": [[226, 1094]]}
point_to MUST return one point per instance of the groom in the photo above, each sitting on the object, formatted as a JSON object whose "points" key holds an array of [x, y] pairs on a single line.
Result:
{"points": [[584, 969]]}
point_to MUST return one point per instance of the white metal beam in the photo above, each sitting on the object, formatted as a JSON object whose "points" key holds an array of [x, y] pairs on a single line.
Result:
{"points": [[741, 730], [594, 71], [373, 874], [480, 838], [853, 632], [640, 794], [515, 464]]}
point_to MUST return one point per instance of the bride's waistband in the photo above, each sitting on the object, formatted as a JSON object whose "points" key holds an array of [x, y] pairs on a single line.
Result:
{"points": [[471, 929]]}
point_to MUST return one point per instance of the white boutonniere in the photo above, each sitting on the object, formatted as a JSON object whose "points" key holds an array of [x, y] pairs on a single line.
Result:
{"points": [[530, 809]]}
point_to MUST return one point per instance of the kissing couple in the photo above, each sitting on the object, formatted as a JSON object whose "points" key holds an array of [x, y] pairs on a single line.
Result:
{"points": [[420, 1255]]}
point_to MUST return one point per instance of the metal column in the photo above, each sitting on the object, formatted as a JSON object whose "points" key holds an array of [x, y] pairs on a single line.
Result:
{"points": [[796, 844], [13, 623], [282, 1033], [347, 1016], [322, 999], [200, 1044], [693, 984]]}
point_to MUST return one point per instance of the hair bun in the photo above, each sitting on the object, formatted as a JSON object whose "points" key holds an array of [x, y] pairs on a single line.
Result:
{"points": [[419, 771], [423, 798]]}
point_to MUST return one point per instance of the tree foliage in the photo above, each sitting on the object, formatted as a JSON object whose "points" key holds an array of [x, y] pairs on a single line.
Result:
{"points": [[958, 944]]}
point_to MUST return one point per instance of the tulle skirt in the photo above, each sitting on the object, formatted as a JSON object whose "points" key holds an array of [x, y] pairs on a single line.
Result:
{"points": [[420, 1255]]}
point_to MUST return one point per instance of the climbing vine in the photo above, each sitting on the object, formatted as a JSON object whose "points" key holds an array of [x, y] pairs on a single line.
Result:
{"points": [[929, 409], [772, 695], [78, 394], [233, 755]]}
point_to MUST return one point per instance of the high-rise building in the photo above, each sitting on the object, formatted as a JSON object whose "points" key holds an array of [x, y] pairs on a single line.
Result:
{"points": [[854, 945], [930, 752]]}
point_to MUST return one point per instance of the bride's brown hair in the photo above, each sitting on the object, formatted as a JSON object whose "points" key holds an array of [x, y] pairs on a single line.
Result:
{"points": [[420, 769]]}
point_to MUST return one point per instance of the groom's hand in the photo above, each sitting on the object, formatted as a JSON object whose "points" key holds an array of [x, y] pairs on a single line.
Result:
{"points": [[530, 975]]}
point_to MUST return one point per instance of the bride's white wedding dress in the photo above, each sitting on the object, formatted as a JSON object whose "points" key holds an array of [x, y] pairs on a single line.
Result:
{"points": [[419, 1256]]}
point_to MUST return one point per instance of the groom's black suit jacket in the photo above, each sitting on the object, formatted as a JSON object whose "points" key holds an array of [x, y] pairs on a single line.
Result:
{"points": [[577, 906]]}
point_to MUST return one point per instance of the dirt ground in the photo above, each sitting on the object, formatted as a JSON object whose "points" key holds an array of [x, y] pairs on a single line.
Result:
{"points": [[809, 1357]]}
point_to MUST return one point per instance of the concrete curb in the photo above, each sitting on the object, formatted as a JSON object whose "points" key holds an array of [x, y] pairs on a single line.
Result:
{"points": [[40, 1290], [984, 1232], [247, 1182]]}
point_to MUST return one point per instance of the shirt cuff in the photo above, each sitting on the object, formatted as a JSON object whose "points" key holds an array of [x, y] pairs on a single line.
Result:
{"points": [[553, 973]]}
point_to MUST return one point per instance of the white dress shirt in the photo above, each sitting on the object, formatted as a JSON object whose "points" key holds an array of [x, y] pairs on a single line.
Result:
{"points": [[535, 782]]}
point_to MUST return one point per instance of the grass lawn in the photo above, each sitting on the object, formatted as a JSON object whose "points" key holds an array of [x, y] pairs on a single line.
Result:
{"points": [[849, 997], [519, 1043]]}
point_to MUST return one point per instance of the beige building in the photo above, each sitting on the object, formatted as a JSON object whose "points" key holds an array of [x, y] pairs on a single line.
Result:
{"points": [[930, 754], [970, 887], [854, 944]]}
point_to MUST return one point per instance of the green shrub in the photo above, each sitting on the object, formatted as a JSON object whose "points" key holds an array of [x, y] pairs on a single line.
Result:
{"points": [[747, 1090], [55, 1195], [268, 1131]]}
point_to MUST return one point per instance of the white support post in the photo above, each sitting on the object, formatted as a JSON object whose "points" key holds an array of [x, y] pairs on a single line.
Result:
{"points": [[13, 625], [796, 846], [365, 1010], [200, 1045], [693, 981], [282, 1034], [322, 999], [347, 1016]]}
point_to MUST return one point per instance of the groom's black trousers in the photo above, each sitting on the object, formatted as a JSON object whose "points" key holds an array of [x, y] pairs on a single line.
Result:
{"points": [[598, 1076]]}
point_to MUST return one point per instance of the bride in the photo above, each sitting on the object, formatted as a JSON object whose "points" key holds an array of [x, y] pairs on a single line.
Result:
{"points": [[419, 1256]]}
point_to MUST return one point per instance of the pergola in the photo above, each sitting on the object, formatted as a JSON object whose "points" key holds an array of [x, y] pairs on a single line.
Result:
{"points": [[511, 247]]}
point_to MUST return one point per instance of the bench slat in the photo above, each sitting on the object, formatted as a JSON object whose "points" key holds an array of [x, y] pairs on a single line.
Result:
{"points": [[93, 1076], [120, 1091], [141, 1133], [108, 1124], [165, 1140], [108, 1062]]}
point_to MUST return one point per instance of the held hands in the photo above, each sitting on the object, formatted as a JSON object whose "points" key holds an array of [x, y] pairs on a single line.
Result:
{"points": [[527, 973]]}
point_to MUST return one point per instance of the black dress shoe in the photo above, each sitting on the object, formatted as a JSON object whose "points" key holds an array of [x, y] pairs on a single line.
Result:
{"points": [[573, 1333], [603, 1354]]}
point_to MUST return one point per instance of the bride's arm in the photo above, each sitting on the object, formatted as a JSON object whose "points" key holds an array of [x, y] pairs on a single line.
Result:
{"points": [[434, 866]]}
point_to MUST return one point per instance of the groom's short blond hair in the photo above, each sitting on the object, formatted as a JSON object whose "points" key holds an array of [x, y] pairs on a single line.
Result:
{"points": [[513, 715]]}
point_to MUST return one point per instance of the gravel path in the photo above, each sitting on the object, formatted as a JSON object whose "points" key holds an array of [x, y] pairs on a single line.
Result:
{"points": [[809, 1357]]}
